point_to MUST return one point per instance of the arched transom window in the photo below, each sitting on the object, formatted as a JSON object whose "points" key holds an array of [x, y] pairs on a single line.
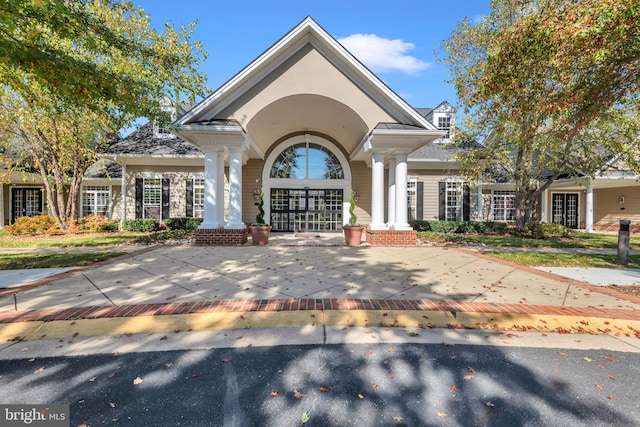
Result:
{"points": [[306, 160]]}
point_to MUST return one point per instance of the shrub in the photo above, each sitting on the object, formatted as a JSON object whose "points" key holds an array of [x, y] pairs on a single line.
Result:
{"points": [[555, 230], [93, 223], [420, 225], [110, 226], [39, 224], [143, 225], [183, 223]]}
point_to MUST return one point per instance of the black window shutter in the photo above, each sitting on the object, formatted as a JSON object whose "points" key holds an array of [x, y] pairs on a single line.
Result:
{"points": [[419, 200], [139, 196], [165, 199], [189, 198], [442, 200], [466, 203]]}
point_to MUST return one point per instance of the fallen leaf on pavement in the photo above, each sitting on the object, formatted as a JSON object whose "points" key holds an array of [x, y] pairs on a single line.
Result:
{"points": [[611, 377], [297, 394], [467, 377], [360, 396], [587, 359], [113, 405], [610, 397], [163, 338], [168, 365], [562, 353], [274, 394], [610, 357], [599, 387], [137, 381], [226, 360], [325, 389], [92, 379], [375, 386], [39, 370], [473, 371], [489, 404], [398, 419], [305, 417], [442, 414], [453, 389]]}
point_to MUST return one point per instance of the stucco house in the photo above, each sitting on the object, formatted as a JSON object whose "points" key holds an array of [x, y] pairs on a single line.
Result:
{"points": [[308, 123]]}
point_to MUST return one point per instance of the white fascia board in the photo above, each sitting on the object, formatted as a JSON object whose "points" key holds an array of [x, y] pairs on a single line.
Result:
{"points": [[382, 94], [308, 31], [249, 74]]}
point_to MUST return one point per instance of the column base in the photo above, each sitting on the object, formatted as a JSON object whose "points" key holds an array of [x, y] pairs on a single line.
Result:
{"points": [[221, 236], [391, 237]]}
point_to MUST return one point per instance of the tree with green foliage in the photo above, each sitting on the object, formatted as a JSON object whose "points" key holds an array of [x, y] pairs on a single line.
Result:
{"points": [[550, 87], [73, 72]]}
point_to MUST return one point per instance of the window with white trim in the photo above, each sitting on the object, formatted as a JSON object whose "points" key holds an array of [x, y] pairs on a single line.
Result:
{"points": [[444, 123], [412, 199], [453, 200], [503, 205], [152, 198], [198, 197], [96, 200]]}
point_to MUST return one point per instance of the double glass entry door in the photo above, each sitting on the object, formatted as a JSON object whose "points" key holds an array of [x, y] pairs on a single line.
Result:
{"points": [[306, 210]]}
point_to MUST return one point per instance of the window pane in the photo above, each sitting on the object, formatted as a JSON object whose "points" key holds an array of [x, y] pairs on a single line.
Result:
{"points": [[312, 162], [198, 197], [152, 197]]}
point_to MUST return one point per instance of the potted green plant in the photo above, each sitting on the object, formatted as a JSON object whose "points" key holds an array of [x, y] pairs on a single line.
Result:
{"points": [[353, 230], [260, 230]]}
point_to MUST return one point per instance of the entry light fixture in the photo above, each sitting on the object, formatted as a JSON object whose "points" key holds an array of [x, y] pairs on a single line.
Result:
{"points": [[256, 193], [621, 200], [356, 195]]}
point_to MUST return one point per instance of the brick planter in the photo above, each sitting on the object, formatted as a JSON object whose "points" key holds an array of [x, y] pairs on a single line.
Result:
{"points": [[391, 237], [221, 237]]}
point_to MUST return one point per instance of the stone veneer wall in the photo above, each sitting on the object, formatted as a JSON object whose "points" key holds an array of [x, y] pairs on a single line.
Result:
{"points": [[391, 237], [221, 237]]}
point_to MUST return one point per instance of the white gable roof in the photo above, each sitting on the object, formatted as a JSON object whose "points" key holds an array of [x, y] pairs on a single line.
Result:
{"points": [[307, 32]]}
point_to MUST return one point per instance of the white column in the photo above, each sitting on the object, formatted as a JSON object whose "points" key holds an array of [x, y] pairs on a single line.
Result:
{"points": [[377, 192], [123, 195], [2, 215], [480, 213], [219, 186], [235, 189], [213, 182], [401, 222], [391, 193], [543, 207], [589, 218]]}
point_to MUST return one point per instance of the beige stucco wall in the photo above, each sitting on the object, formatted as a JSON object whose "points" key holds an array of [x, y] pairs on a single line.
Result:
{"points": [[608, 212]]}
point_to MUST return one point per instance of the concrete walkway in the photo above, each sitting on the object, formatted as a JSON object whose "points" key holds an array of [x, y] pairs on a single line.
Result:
{"points": [[313, 281]]}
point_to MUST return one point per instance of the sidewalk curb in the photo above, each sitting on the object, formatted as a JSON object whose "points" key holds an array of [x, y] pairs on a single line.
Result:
{"points": [[420, 321]]}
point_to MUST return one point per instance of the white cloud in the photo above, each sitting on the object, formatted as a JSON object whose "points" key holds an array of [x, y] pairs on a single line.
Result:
{"points": [[384, 55]]}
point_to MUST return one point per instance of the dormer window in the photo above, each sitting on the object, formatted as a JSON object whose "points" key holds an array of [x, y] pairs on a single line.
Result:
{"points": [[166, 105], [444, 123], [161, 132]]}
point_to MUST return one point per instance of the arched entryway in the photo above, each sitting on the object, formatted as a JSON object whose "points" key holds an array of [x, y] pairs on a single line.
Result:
{"points": [[307, 181]]}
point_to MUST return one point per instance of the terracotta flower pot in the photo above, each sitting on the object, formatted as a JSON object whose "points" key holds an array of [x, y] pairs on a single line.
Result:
{"points": [[260, 234], [352, 235]]}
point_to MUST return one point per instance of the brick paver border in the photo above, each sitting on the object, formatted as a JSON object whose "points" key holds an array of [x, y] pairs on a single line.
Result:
{"points": [[306, 304]]}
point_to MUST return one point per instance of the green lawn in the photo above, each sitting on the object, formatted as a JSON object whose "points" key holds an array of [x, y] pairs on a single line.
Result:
{"points": [[537, 259], [52, 260], [577, 240], [66, 241]]}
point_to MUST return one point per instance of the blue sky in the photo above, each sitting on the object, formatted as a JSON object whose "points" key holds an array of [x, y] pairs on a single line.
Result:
{"points": [[396, 40]]}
